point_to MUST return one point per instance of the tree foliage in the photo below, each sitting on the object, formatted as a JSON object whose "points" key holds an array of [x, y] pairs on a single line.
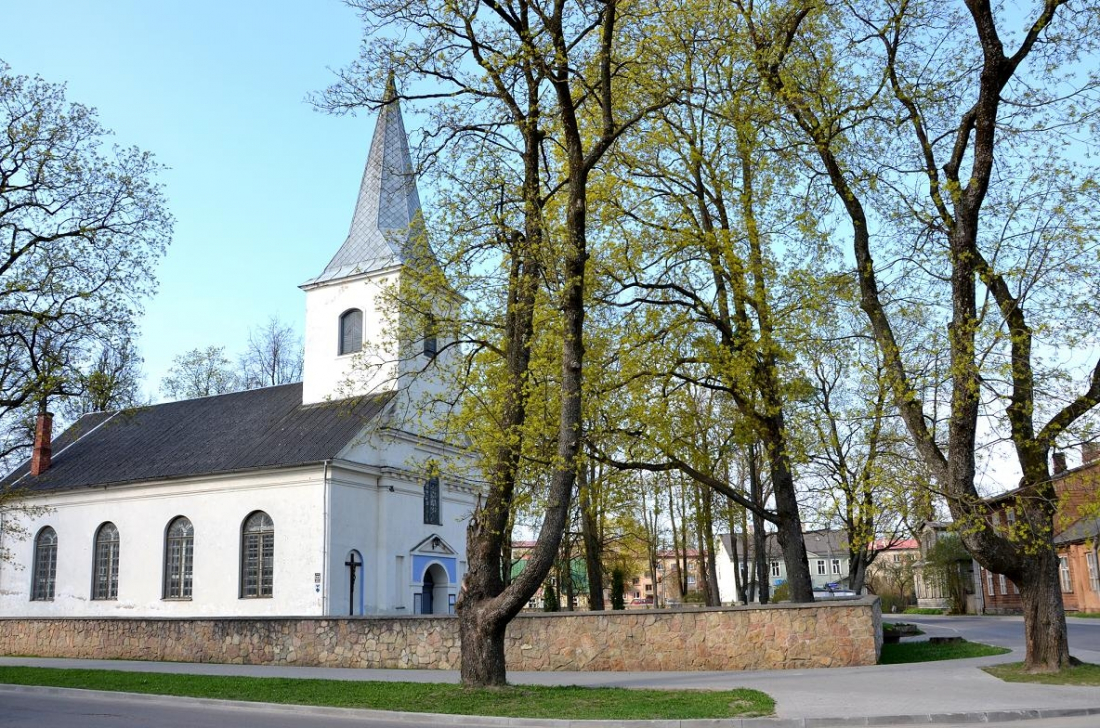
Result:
{"points": [[200, 373], [82, 225]]}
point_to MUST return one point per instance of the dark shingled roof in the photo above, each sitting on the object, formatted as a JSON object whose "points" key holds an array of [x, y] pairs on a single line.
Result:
{"points": [[260, 428]]}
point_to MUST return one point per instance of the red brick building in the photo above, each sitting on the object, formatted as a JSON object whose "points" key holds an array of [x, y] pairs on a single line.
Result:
{"points": [[1077, 538]]}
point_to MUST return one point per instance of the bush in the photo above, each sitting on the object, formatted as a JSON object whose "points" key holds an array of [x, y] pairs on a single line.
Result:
{"points": [[781, 593], [550, 599], [617, 586]]}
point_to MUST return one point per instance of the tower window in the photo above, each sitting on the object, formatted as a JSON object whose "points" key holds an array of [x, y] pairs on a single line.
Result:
{"points": [[351, 331], [430, 344]]}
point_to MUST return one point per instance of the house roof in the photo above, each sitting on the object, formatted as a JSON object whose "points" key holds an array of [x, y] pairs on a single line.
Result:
{"points": [[387, 227], [822, 543], [259, 428], [1082, 530]]}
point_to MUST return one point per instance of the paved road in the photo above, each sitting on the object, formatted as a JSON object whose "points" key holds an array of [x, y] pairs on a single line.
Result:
{"points": [[1084, 634], [76, 709]]}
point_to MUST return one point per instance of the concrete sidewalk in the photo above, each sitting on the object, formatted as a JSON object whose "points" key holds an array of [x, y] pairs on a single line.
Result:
{"points": [[953, 691]]}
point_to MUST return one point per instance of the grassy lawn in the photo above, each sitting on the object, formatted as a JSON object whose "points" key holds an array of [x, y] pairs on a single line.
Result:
{"points": [[922, 610], [513, 701], [1083, 674], [904, 652]]}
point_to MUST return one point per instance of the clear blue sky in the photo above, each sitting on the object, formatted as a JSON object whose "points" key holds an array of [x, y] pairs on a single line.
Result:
{"points": [[262, 186]]}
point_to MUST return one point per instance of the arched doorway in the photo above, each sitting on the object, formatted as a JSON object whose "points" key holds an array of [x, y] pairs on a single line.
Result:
{"points": [[433, 591]]}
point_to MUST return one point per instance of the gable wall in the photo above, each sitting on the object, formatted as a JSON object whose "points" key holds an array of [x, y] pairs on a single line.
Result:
{"points": [[216, 508], [359, 500]]}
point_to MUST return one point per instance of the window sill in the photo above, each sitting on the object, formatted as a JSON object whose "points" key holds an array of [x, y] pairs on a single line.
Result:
{"points": [[104, 599], [258, 596], [176, 599]]}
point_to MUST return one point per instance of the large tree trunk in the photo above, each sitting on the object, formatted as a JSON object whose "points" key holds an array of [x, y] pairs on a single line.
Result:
{"points": [[1044, 615], [482, 628]]}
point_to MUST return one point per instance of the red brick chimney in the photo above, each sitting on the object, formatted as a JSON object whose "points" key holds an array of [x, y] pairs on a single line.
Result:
{"points": [[1090, 451], [43, 432], [1059, 462]]}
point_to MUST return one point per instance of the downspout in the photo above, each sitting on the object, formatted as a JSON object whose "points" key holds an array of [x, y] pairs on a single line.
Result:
{"points": [[324, 541]]}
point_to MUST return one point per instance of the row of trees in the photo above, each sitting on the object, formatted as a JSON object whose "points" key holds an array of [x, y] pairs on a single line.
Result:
{"points": [[743, 242], [272, 355]]}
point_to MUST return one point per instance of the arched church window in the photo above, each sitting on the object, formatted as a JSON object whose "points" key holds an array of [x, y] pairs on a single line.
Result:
{"points": [[351, 331], [432, 513], [105, 585], [45, 565], [257, 556], [179, 558]]}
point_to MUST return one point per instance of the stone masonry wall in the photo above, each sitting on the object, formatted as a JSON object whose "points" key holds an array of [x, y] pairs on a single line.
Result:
{"points": [[830, 634]]}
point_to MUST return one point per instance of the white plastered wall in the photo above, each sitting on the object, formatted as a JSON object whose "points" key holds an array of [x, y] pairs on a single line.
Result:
{"points": [[216, 507], [378, 510], [328, 375]]}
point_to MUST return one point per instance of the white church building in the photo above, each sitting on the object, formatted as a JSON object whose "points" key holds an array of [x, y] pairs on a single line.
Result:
{"points": [[315, 498]]}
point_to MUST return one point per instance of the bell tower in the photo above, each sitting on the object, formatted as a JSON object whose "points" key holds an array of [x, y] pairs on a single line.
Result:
{"points": [[351, 348]]}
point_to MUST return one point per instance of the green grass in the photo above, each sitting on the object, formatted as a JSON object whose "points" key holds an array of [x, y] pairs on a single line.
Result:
{"points": [[1082, 674], [904, 652], [922, 610], [1087, 615], [513, 701]]}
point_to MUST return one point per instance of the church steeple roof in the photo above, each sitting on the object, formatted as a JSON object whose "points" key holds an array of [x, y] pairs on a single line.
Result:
{"points": [[387, 223]]}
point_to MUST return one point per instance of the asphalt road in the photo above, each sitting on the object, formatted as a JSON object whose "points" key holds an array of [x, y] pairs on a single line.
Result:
{"points": [[1084, 634], [98, 710]]}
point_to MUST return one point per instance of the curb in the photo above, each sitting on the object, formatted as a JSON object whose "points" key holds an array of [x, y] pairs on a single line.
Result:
{"points": [[989, 716]]}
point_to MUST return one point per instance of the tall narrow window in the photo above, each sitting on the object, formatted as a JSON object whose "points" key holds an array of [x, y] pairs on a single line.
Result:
{"points": [[179, 558], [1064, 575], [821, 567], [1094, 575], [430, 343], [45, 565], [836, 566], [106, 562], [351, 331], [775, 568], [257, 556], [432, 513]]}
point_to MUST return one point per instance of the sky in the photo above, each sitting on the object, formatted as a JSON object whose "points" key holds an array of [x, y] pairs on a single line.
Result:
{"points": [[262, 185]]}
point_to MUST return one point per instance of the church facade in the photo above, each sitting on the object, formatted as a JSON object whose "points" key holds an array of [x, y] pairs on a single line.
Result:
{"points": [[323, 497]]}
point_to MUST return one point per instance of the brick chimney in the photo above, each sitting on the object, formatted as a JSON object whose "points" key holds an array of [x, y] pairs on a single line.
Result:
{"points": [[43, 432], [1059, 463], [1090, 451]]}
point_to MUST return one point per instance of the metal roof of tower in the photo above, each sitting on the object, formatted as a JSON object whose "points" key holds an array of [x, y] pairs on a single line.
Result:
{"points": [[387, 223]]}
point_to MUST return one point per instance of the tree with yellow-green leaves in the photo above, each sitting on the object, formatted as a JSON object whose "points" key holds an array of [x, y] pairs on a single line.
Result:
{"points": [[535, 90], [721, 275], [951, 135]]}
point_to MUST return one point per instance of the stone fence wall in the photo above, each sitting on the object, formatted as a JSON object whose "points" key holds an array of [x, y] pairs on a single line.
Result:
{"points": [[785, 636]]}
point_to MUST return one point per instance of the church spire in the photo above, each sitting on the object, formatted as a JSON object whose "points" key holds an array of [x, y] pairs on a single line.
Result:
{"points": [[387, 221]]}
